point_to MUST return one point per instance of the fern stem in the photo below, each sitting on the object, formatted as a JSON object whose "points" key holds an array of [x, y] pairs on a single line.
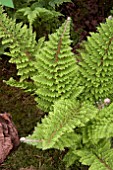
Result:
{"points": [[109, 43], [103, 162], [60, 41]]}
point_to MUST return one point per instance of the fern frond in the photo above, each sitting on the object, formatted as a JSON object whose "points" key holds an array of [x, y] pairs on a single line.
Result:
{"points": [[52, 69], [38, 12], [57, 129], [51, 3], [71, 156], [54, 3], [100, 127], [22, 44], [57, 70], [96, 66], [27, 86], [100, 157]]}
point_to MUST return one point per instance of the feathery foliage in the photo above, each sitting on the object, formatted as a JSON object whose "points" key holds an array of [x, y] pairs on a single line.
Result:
{"points": [[96, 63], [101, 126], [57, 71], [50, 65], [43, 12], [35, 12], [78, 127], [44, 15], [52, 3], [57, 129], [21, 49], [99, 157]]}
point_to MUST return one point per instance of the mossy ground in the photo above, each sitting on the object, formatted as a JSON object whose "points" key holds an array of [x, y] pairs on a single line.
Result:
{"points": [[27, 155]]}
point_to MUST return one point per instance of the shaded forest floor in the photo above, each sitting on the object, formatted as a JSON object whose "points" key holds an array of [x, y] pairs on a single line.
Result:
{"points": [[86, 16]]}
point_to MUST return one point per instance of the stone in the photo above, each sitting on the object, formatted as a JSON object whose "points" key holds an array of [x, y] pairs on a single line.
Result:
{"points": [[9, 138]]}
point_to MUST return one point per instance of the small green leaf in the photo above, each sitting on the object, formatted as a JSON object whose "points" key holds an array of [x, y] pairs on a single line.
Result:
{"points": [[8, 3]]}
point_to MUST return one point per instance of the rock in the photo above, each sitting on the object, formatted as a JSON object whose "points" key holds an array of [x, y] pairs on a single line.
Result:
{"points": [[9, 138]]}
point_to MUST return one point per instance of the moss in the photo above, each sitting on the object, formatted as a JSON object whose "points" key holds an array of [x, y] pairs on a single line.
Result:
{"points": [[27, 155]]}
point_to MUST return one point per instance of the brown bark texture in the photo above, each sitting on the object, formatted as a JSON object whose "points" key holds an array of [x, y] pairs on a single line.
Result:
{"points": [[9, 138]]}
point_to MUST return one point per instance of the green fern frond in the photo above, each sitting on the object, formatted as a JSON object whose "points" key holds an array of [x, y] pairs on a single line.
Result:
{"points": [[51, 65], [54, 3], [57, 129], [57, 70], [96, 63], [51, 3], [38, 12], [71, 156], [100, 127], [22, 45], [27, 86], [100, 157]]}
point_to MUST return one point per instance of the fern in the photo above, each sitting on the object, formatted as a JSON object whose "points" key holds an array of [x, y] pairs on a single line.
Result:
{"points": [[43, 15], [57, 71], [51, 3], [50, 66], [101, 127], [96, 66], [63, 127], [44, 10], [100, 157], [57, 129], [33, 13], [21, 50], [84, 129]]}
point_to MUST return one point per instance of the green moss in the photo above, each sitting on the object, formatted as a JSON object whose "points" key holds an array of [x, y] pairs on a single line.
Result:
{"points": [[27, 155]]}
